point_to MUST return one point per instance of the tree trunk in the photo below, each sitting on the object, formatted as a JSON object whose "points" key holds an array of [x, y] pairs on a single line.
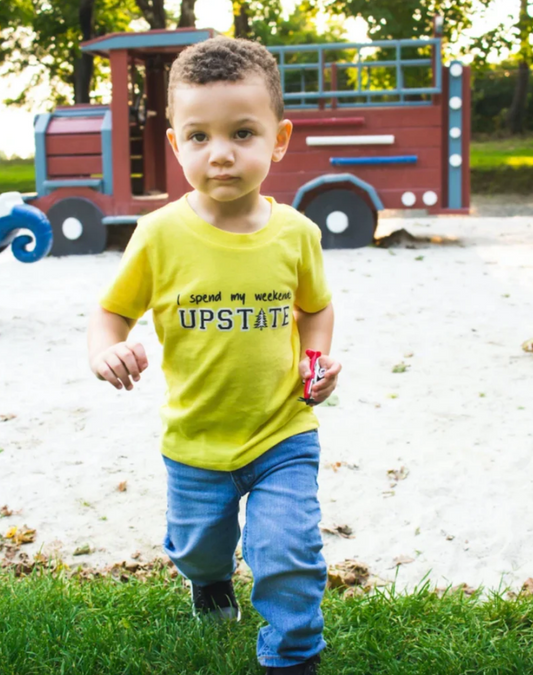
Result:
{"points": [[187, 17], [241, 23], [154, 12], [84, 64], [517, 111]]}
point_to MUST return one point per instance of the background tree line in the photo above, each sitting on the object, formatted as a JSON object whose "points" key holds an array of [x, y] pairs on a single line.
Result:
{"points": [[48, 32]]}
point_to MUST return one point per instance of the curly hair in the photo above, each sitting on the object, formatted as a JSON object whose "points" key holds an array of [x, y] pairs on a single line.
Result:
{"points": [[228, 60]]}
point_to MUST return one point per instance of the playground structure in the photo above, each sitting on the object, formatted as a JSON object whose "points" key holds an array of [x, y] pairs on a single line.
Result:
{"points": [[357, 148], [16, 215]]}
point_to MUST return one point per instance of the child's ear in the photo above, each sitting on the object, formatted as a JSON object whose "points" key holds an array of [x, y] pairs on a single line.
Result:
{"points": [[282, 140], [171, 135]]}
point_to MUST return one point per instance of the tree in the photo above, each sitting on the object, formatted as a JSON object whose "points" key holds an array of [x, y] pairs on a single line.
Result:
{"points": [[46, 35], [187, 16], [396, 19], [154, 13], [262, 20], [516, 113]]}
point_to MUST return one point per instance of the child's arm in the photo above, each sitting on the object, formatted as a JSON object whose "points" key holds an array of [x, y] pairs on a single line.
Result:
{"points": [[111, 357], [316, 332]]}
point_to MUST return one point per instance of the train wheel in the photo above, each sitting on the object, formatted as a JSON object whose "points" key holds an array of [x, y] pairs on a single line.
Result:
{"points": [[346, 220], [77, 226]]}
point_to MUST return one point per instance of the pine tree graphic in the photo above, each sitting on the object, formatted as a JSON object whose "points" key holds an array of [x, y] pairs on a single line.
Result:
{"points": [[261, 320]]}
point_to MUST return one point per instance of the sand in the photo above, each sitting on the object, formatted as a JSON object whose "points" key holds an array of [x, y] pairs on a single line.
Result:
{"points": [[455, 427]]}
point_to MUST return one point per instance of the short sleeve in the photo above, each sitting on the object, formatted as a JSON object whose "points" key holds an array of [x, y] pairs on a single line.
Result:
{"points": [[313, 293], [130, 292]]}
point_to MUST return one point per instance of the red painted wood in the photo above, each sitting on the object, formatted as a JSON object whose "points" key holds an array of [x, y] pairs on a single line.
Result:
{"points": [[70, 166], [73, 144], [154, 131], [74, 125], [104, 202], [378, 118], [465, 146], [406, 139], [316, 160], [327, 121], [392, 198], [121, 129], [385, 178]]}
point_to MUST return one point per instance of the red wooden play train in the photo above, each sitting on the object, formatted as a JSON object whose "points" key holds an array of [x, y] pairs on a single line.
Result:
{"points": [[356, 149]]}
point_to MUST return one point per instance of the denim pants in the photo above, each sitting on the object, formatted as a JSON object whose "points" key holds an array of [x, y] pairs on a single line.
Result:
{"points": [[281, 541]]}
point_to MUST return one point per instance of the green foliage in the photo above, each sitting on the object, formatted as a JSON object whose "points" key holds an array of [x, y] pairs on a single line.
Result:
{"points": [[399, 19], [270, 28], [492, 92], [47, 35]]}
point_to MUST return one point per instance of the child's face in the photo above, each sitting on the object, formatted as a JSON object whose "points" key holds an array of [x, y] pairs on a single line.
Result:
{"points": [[225, 134]]}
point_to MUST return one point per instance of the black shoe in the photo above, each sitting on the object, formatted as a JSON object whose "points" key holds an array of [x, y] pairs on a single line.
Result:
{"points": [[309, 667], [215, 601]]}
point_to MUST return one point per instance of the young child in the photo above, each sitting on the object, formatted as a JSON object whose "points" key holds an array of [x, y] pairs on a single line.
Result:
{"points": [[237, 289]]}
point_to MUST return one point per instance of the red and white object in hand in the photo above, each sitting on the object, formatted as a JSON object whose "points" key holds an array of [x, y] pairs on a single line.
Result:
{"points": [[317, 374]]}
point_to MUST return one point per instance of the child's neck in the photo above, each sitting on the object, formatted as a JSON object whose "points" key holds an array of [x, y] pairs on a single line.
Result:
{"points": [[245, 215]]}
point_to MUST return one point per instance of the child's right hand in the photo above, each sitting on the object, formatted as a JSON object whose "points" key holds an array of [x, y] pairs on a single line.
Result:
{"points": [[120, 362]]}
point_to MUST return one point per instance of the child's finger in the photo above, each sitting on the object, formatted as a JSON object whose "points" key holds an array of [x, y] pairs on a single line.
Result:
{"points": [[116, 365], [104, 372], [130, 362], [140, 355]]}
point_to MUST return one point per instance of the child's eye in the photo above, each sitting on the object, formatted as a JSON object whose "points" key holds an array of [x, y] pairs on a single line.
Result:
{"points": [[243, 134], [198, 138]]}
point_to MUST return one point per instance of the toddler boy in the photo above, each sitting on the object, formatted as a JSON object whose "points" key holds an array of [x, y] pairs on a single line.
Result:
{"points": [[237, 289]]}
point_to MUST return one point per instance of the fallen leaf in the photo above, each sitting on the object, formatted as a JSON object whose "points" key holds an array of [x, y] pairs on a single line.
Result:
{"points": [[123, 486], [344, 531], [6, 417], [5, 511], [527, 587], [337, 465], [82, 550], [400, 367], [398, 474], [136, 555], [527, 346], [348, 573], [24, 535], [402, 560]]}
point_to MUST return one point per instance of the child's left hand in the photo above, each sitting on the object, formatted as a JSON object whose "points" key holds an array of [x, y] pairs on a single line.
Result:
{"points": [[323, 389]]}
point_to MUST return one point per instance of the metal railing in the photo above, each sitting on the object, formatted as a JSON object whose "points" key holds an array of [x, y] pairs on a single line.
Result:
{"points": [[310, 97]]}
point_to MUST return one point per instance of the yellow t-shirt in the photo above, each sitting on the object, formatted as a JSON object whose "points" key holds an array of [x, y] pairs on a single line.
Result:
{"points": [[222, 307]]}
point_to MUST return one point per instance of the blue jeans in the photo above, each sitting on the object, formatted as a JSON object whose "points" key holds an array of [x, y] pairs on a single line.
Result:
{"points": [[281, 540]]}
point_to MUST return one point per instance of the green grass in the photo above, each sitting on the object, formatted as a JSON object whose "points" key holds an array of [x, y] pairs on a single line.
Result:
{"points": [[17, 175], [507, 152], [54, 624]]}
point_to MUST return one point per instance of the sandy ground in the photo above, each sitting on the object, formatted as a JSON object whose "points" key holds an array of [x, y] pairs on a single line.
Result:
{"points": [[456, 426]]}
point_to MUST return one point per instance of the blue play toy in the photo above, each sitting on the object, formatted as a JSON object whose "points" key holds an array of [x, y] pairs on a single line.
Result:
{"points": [[15, 215]]}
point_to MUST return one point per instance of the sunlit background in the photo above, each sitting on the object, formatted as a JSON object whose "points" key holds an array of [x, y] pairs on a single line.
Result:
{"points": [[16, 124]]}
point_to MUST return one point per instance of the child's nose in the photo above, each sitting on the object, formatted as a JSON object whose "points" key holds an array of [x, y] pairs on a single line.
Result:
{"points": [[221, 153]]}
